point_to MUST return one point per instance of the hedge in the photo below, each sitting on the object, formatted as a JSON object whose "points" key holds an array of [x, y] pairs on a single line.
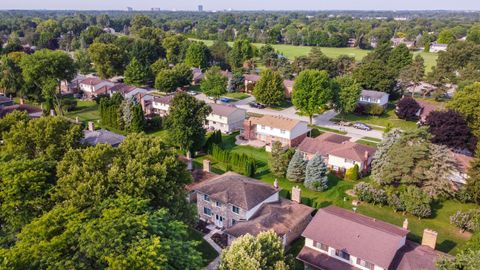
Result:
{"points": [[239, 163]]}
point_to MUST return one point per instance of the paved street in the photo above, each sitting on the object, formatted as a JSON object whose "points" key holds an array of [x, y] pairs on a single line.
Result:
{"points": [[322, 120]]}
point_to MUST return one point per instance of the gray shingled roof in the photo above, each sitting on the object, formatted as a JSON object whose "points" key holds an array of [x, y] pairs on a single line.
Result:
{"points": [[373, 94], [236, 189], [102, 136], [223, 110]]}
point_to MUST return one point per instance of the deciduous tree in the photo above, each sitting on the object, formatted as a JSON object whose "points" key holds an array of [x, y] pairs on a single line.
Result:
{"points": [[214, 84], [270, 90]]}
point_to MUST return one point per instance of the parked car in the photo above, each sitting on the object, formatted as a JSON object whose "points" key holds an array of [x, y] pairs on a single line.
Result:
{"points": [[225, 100], [362, 126], [256, 105], [192, 93]]}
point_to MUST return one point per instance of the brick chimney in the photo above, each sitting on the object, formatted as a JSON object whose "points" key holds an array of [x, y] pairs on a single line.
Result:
{"points": [[206, 165], [22, 101], [91, 126], [429, 238], [405, 224], [366, 155], [296, 194], [275, 183]]}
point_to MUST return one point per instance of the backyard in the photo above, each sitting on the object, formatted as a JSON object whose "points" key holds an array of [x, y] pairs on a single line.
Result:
{"points": [[449, 240], [292, 51]]}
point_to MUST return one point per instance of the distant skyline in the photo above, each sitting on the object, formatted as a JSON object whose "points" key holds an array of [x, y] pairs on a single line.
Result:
{"points": [[244, 4]]}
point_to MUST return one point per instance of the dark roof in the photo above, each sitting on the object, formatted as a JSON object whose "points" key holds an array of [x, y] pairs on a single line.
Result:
{"points": [[282, 216], [164, 99], [102, 136], [236, 189], [322, 261], [4, 99], [31, 110], [122, 88], [373, 94], [199, 176], [364, 237], [251, 77], [413, 256], [223, 110]]}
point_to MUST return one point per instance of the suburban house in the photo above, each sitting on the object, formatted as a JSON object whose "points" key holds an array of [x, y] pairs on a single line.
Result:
{"points": [[436, 47], [268, 129], [338, 239], [32, 111], [127, 91], [249, 81], [426, 108], [73, 86], [338, 152], [288, 84], [374, 97], [161, 105], [225, 118], [197, 76], [101, 136], [398, 41], [462, 164], [244, 205], [94, 86]]}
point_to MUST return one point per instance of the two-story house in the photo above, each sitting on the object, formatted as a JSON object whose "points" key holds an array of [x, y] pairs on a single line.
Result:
{"points": [[373, 97], [338, 152], [161, 105], [244, 205], [225, 118], [127, 91], [338, 239], [269, 128], [92, 86]]}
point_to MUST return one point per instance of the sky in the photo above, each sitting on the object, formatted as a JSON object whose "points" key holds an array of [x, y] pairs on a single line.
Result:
{"points": [[244, 4]]}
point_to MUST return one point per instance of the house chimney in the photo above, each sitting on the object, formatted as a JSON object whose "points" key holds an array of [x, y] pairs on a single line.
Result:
{"points": [[405, 224], [296, 194], [52, 112], [429, 238], [22, 101], [77, 120], [275, 183], [366, 155], [91, 126], [206, 165]]}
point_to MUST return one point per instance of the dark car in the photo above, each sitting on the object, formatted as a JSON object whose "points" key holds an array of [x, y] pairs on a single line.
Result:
{"points": [[362, 126], [256, 105]]}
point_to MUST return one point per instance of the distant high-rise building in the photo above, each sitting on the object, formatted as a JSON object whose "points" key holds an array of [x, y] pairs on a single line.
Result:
{"points": [[129, 9], [200, 8], [155, 9]]}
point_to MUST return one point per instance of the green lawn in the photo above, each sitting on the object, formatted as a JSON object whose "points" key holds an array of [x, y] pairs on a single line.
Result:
{"points": [[208, 252], [86, 111], [380, 122], [325, 129], [449, 237], [368, 143], [237, 95], [291, 51]]}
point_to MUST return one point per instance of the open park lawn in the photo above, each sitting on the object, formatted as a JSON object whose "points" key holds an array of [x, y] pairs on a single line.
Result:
{"points": [[449, 237], [292, 51], [379, 122]]}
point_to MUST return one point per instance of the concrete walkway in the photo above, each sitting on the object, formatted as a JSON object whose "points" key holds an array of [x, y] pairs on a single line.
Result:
{"points": [[216, 262]]}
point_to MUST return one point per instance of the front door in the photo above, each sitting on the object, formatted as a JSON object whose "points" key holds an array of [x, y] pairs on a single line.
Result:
{"points": [[219, 221]]}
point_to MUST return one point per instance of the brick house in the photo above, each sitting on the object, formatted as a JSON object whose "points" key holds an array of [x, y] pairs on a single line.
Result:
{"points": [[268, 129], [225, 118], [93, 86], [338, 152], [337, 238], [241, 205]]}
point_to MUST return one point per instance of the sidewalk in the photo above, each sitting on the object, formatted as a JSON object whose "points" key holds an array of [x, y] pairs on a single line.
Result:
{"points": [[216, 262]]}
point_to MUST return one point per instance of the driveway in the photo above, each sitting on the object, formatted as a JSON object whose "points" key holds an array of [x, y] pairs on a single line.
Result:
{"points": [[322, 120]]}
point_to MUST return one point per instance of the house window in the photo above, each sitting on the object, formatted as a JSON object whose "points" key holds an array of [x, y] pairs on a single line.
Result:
{"points": [[235, 209], [206, 197], [234, 222], [365, 264], [218, 204], [342, 254], [262, 127], [282, 131], [320, 246], [207, 211]]}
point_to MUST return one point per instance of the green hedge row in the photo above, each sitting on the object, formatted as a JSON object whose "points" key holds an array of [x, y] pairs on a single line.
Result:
{"points": [[239, 163]]}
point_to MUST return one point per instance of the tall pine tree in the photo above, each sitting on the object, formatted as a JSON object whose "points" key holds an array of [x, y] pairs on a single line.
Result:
{"points": [[316, 174], [296, 168]]}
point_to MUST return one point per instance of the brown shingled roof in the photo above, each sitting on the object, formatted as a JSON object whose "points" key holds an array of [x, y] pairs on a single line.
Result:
{"points": [[353, 151], [164, 99], [223, 110], [91, 81], [122, 88], [323, 144], [275, 122], [282, 216], [370, 239], [413, 256], [236, 189], [322, 261]]}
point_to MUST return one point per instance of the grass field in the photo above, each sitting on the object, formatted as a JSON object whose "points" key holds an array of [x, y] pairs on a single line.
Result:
{"points": [[291, 51], [449, 237], [208, 253]]}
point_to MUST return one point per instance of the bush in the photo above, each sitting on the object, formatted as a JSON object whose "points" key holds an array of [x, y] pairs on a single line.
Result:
{"points": [[369, 109], [154, 123], [407, 109], [368, 193], [69, 104], [467, 221], [352, 173], [239, 163], [213, 138], [416, 202], [393, 199]]}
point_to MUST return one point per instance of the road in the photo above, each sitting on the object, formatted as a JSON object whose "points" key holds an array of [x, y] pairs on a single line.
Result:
{"points": [[322, 120]]}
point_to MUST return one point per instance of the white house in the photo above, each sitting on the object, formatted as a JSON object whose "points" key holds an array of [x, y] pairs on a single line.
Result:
{"points": [[93, 85], [374, 97], [437, 47], [225, 118], [127, 91], [269, 128], [161, 105]]}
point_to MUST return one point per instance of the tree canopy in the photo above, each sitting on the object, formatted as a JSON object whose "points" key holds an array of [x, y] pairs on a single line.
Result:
{"points": [[269, 90]]}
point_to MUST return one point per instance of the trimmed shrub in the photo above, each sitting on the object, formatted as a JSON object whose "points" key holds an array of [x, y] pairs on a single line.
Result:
{"points": [[352, 173], [368, 193], [466, 221], [239, 163]]}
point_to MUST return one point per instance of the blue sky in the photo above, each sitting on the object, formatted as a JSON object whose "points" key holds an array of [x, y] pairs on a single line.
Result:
{"points": [[244, 4]]}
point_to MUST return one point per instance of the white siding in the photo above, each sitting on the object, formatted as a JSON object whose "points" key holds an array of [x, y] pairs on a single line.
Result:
{"points": [[275, 132], [227, 124], [339, 162]]}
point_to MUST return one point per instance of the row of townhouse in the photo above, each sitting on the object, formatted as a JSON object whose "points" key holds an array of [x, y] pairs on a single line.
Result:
{"points": [[335, 238]]}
